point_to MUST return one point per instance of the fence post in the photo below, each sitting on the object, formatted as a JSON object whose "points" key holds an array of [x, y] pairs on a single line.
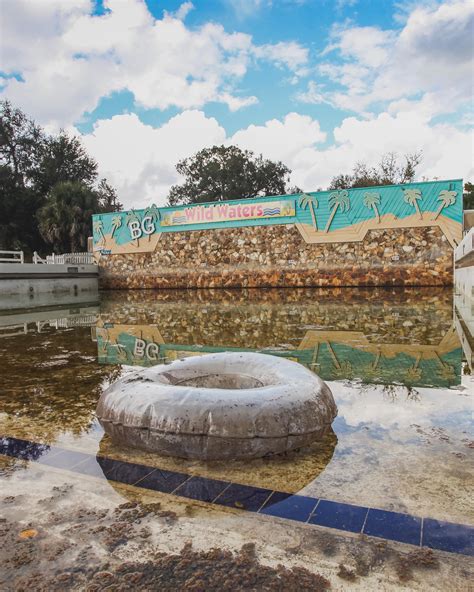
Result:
{"points": [[22, 257]]}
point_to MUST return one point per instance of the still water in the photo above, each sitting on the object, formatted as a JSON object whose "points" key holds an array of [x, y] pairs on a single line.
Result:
{"points": [[401, 440]]}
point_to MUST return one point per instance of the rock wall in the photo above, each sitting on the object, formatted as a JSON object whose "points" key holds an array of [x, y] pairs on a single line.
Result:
{"points": [[273, 256]]}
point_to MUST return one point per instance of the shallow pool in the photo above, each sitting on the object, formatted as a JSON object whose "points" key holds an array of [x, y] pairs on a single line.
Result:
{"points": [[401, 444]]}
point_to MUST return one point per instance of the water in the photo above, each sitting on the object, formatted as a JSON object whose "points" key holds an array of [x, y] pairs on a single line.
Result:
{"points": [[401, 441]]}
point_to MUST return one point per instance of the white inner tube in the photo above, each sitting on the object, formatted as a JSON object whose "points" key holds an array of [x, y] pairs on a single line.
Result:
{"points": [[217, 406]]}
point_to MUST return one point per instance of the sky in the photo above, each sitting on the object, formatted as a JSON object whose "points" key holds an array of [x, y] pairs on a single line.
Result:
{"points": [[317, 84]]}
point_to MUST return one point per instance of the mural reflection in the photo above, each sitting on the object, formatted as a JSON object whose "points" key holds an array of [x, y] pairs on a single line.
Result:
{"points": [[377, 336]]}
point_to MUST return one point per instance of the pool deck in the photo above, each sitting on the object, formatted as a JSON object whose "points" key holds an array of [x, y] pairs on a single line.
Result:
{"points": [[22, 271]]}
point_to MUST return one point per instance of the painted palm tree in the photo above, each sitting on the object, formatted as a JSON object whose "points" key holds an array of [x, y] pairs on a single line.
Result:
{"points": [[337, 200], [372, 370], [414, 372], [122, 353], [103, 340], [447, 198], [308, 201], [411, 197], [132, 216], [371, 201], [154, 213], [445, 371], [116, 223], [342, 369], [99, 229]]}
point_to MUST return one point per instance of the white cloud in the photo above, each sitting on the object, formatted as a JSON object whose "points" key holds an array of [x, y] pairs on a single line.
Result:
{"points": [[433, 53], [312, 95], [447, 151], [69, 59], [285, 54], [246, 8], [281, 140], [140, 160], [183, 10]]}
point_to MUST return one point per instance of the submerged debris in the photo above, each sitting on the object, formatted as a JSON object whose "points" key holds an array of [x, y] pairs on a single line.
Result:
{"points": [[421, 558], [191, 571], [346, 574]]}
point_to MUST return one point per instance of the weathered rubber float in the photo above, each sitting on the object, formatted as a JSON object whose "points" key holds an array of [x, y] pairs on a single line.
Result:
{"points": [[218, 406]]}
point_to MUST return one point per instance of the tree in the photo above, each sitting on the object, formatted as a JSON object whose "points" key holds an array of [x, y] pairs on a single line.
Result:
{"points": [[18, 207], [65, 220], [227, 172], [107, 198], [468, 196], [63, 158], [32, 165], [389, 171], [20, 143]]}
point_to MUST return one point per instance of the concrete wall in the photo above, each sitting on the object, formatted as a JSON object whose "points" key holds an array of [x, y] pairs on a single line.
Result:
{"points": [[32, 292]]}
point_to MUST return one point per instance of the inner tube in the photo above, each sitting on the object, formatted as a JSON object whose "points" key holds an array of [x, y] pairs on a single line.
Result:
{"points": [[218, 406]]}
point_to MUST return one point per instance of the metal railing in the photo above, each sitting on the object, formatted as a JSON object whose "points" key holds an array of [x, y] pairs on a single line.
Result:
{"points": [[65, 258], [12, 257]]}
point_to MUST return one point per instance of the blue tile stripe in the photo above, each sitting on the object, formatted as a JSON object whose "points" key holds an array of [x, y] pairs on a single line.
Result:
{"points": [[394, 526]]}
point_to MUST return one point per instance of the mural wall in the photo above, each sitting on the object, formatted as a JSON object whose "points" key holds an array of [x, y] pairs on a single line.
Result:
{"points": [[392, 235]]}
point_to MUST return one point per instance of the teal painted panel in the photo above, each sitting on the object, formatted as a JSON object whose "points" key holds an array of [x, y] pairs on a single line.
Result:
{"points": [[338, 209]]}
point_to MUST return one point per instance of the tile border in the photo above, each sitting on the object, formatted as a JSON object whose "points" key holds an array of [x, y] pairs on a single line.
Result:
{"points": [[427, 532]]}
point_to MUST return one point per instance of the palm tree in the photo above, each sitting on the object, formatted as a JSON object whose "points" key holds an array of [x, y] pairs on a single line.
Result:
{"points": [[371, 201], [64, 221], [98, 227], [306, 201], [154, 213], [132, 216], [411, 196], [447, 198], [116, 223], [338, 199]]}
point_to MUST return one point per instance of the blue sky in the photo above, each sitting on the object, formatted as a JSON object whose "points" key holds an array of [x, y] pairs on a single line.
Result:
{"points": [[318, 84]]}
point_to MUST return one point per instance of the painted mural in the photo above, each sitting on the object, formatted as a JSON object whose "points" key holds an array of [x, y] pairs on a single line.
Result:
{"points": [[320, 217]]}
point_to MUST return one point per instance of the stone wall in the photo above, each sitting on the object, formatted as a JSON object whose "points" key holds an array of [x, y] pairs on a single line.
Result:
{"points": [[271, 256]]}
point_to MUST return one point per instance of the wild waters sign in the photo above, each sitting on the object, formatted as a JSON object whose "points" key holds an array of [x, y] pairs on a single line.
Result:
{"points": [[336, 216], [225, 212]]}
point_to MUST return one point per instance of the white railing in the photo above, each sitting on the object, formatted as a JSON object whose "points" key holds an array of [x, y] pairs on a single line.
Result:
{"points": [[13, 257], [466, 246], [65, 258]]}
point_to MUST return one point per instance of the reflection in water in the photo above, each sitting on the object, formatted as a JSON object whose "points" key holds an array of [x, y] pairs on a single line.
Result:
{"points": [[378, 336], [49, 380], [288, 472], [397, 443]]}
